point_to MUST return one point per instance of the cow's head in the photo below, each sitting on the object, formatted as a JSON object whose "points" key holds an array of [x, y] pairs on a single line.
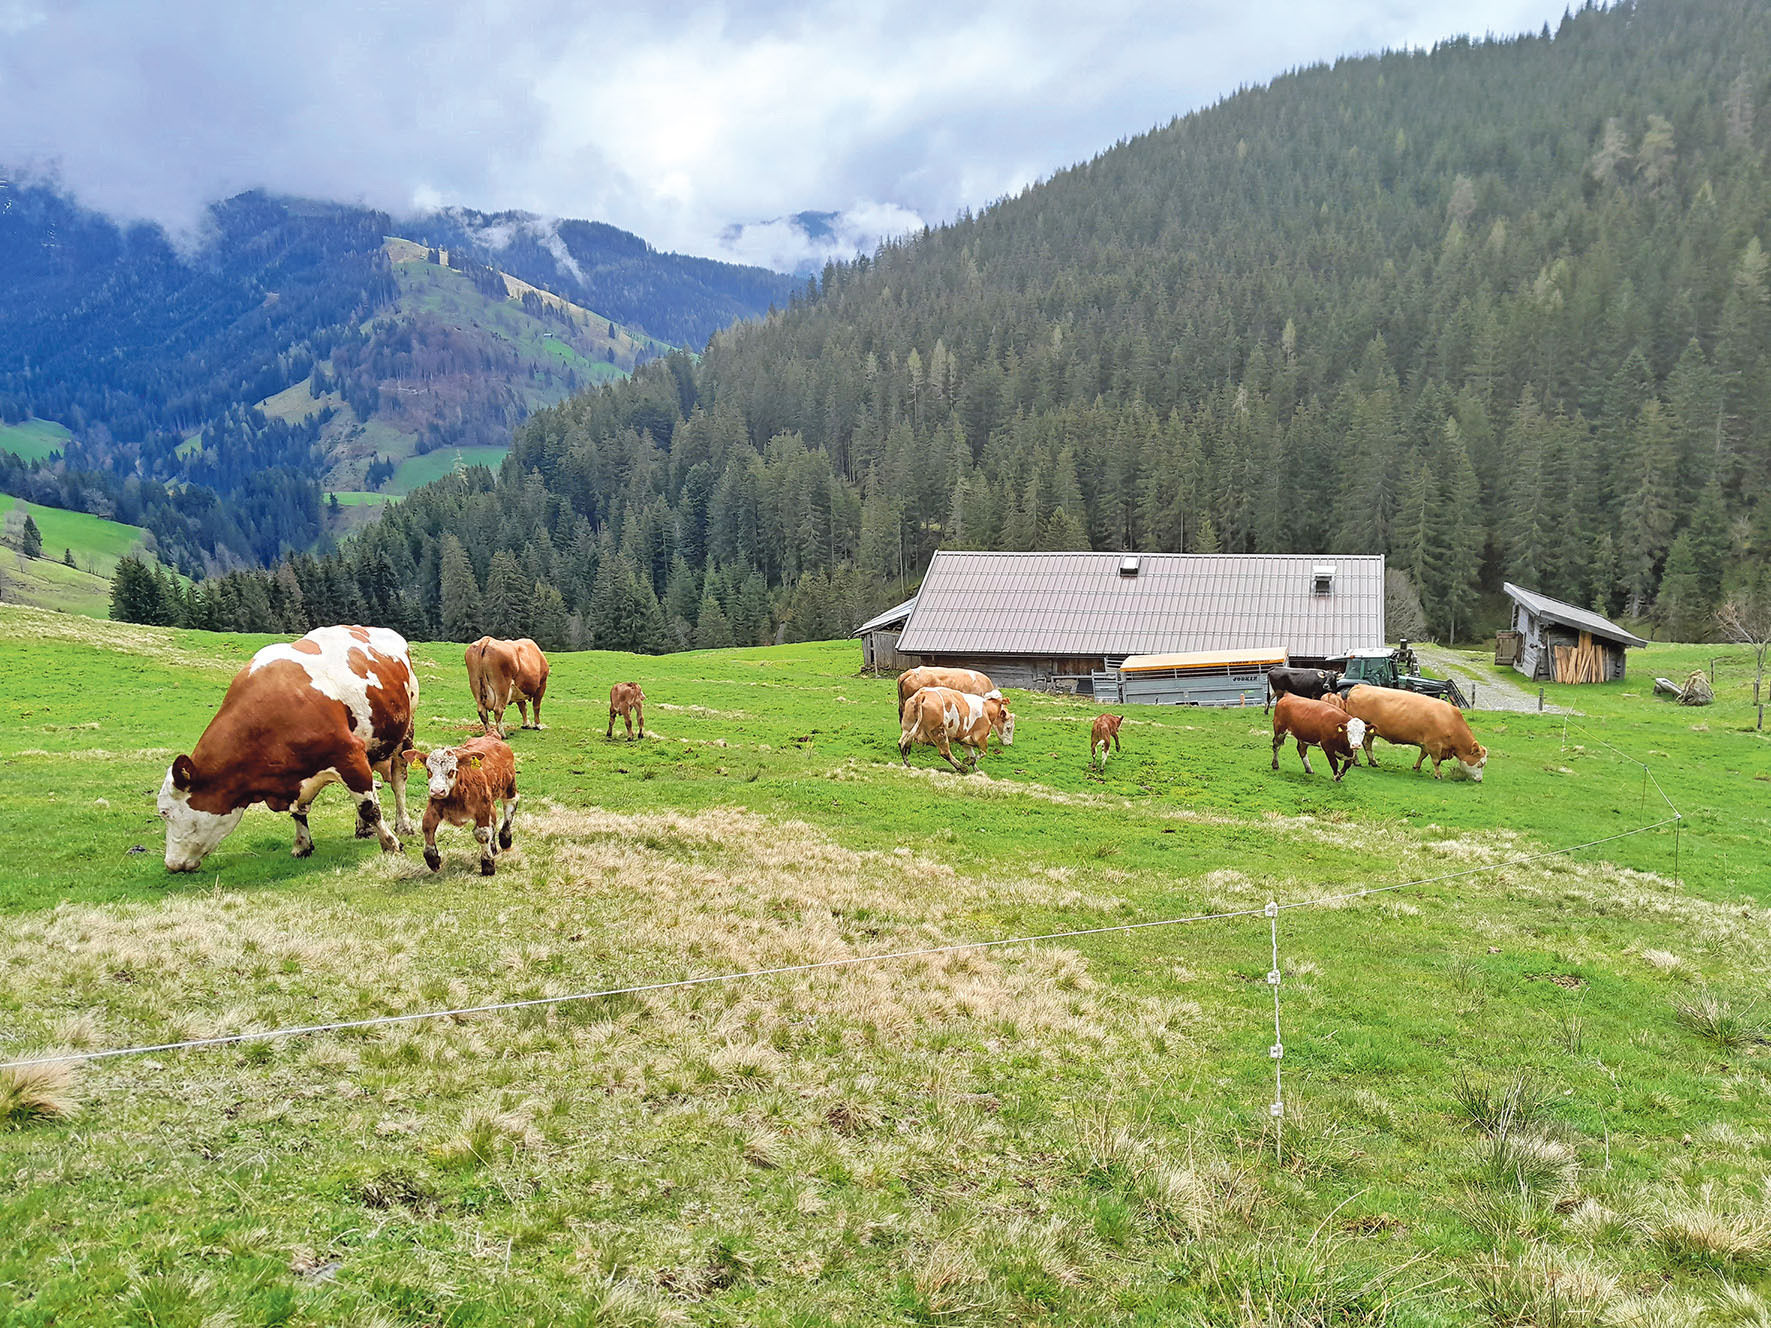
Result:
{"points": [[442, 765], [191, 834], [997, 711], [1472, 761]]}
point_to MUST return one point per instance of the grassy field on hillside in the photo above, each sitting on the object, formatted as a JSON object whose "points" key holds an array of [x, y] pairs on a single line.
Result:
{"points": [[420, 470], [47, 584], [97, 544], [1536, 1095], [34, 440]]}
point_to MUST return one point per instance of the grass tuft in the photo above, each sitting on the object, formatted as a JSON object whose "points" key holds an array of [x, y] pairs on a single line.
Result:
{"points": [[36, 1095], [1717, 1021], [1711, 1232], [1498, 1109], [1543, 1288]]}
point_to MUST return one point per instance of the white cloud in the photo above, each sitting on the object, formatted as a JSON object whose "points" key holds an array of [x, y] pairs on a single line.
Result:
{"points": [[676, 120]]}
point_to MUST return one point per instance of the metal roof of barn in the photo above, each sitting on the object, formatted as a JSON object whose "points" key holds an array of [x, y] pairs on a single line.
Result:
{"points": [[1584, 620], [1079, 604], [886, 619]]}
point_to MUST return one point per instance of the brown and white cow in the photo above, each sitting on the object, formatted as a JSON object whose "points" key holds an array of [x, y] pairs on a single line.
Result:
{"points": [[499, 672], [1104, 730], [470, 785], [1317, 724], [1409, 719], [941, 717], [627, 700], [912, 681], [335, 706]]}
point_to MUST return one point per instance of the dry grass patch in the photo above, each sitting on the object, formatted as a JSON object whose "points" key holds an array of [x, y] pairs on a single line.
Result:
{"points": [[36, 1094], [1712, 1229]]}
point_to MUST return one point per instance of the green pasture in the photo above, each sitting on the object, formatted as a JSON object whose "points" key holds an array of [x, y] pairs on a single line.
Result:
{"points": [[96, 542], [34, 440], [360, 498], [1537, 1094], [417, 471]]}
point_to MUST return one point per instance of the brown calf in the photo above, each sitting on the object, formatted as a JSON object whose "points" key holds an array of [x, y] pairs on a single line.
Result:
{"points": [[1316, 724], [466, 783], [627, 700], [1105, 730]]}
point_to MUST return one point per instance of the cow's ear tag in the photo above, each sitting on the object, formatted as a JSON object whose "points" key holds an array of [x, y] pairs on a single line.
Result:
{"points": [[474, 764]]}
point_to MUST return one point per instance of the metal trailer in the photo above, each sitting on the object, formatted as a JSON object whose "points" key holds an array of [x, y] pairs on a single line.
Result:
{"points": [[1198, 677]]}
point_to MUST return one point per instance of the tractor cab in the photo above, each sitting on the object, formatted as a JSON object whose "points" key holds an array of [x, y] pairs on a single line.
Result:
{"points": [[1379, 666]]}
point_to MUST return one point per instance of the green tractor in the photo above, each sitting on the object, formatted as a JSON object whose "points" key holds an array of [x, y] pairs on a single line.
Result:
{"points": [[1379, 666]]}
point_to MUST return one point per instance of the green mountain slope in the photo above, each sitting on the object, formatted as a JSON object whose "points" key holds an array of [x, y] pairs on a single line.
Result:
{"points": [[460, 356]]}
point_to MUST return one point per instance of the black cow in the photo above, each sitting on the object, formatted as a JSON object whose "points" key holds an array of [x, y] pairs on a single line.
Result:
{"points": [[1311, 684]]}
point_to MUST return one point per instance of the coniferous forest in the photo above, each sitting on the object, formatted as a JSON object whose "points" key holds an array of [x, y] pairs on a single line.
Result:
{"points": [[1500, 310]]}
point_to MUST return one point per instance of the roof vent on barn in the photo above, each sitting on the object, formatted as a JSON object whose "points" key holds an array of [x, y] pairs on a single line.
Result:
{"points": [[1322, 579], [1128, 565]]}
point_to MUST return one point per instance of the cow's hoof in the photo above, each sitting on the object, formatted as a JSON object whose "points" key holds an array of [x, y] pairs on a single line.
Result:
{"points": [[365, 830], [392, 845], [432, 859], [405, 828], [302, 850], [487, 867], [504, 838]]}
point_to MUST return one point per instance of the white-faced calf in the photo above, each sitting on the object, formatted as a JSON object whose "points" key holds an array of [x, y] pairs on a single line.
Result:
{"points": [[470, 785]]}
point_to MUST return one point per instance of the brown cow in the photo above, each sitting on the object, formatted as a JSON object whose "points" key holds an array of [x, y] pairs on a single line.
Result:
{"points": [[1317, 724], [501, 671], [1104, 730], [941, 716], [465, 783], [1409, 719], [627, 700], [912, 681], [334, 706]]}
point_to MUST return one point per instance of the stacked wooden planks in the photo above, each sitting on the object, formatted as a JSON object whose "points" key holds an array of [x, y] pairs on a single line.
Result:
{"points": [[1582, 663]]}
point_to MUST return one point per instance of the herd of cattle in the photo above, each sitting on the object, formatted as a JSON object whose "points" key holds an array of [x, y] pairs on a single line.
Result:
{"points": [[338, 706]]}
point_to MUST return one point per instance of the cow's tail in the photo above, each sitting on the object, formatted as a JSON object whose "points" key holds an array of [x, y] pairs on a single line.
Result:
{"points": [[1355, 733]]}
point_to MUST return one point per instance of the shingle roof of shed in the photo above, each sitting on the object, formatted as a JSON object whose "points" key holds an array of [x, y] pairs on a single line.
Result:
{"points": [[1570, 615], [1079, 604]]}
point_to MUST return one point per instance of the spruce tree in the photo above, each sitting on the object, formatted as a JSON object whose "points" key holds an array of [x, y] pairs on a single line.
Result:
{"points": [[32, 543], [460, 593], [505, 610], [712, 630]]}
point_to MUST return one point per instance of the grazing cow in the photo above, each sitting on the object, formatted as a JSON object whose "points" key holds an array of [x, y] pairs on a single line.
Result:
{"points": [[501, 671], [912, 681], [469, 785], [627, 700], [1408, 719], [1317, 724], [1313, 684], [334, 706], [941, 716], [1104, 730]]}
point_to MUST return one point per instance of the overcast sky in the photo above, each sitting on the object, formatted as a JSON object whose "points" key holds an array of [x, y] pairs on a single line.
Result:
{"points": [[687, 122]]}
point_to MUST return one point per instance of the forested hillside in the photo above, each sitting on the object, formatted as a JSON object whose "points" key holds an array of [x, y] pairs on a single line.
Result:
{"points": [[1499, 311], [289, 346]]}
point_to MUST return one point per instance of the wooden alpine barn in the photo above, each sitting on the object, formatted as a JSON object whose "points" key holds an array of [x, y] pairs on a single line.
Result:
{"points": [[1558, 642], [1068, 621]]}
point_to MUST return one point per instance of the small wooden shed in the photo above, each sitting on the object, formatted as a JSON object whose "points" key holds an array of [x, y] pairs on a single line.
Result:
{"points": [[1561, 642], [879, 640]]}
